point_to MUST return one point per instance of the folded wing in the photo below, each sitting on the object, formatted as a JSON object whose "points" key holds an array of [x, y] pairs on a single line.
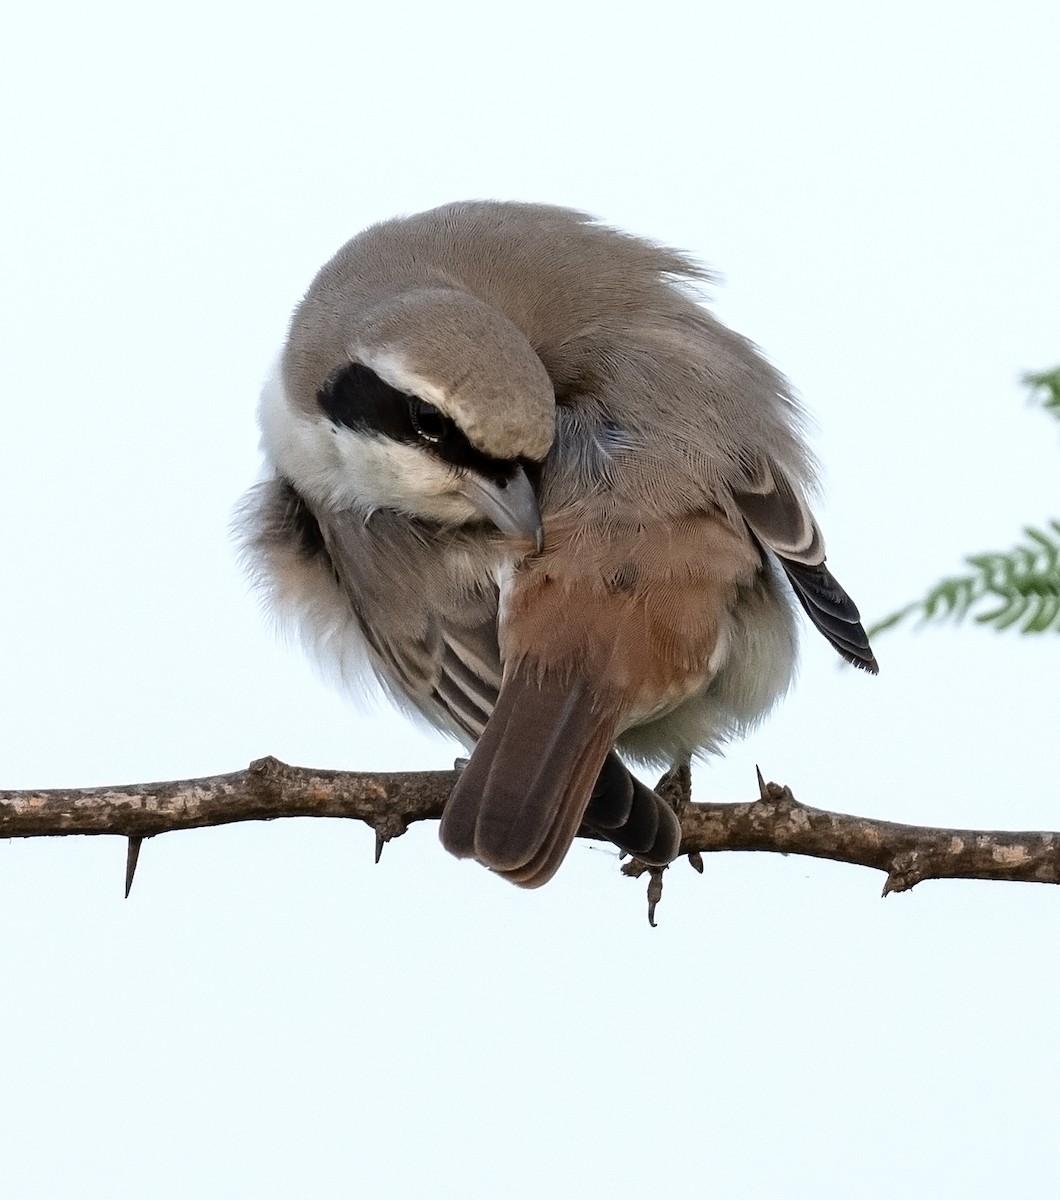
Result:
{"points": [[779, 518]]}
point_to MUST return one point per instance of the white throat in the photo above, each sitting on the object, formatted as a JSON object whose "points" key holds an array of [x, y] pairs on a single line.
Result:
{"points": [[344, 469]]}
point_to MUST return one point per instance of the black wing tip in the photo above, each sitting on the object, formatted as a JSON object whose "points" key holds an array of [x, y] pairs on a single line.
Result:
{"points": [[851, 642], [865, 661], [831, 609]]}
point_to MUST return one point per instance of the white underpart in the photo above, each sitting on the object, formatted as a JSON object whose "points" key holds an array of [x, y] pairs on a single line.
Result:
{"points": [[343, 469], [504, 577]]}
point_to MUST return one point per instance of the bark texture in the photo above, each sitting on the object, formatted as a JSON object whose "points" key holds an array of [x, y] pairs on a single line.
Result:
{"points": [[773, 822]]}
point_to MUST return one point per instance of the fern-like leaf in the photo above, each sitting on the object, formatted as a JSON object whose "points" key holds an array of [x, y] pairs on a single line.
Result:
{"points": [[1045, 389], [1024, 583]]}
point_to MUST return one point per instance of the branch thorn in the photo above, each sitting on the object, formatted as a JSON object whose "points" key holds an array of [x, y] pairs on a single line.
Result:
{"points": [[132, 857]]}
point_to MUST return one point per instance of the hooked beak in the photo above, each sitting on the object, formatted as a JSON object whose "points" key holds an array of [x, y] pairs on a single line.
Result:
{"points": [[511, 505]]}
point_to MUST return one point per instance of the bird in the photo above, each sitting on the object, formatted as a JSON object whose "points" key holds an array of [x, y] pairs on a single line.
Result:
{"points": [[518, 472]]}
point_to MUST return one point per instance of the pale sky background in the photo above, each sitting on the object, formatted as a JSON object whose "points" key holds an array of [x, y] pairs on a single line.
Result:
{"points": [[272, 1016]]}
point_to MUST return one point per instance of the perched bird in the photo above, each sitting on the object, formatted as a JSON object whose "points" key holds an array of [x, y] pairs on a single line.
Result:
{"points": [[522, 475]]}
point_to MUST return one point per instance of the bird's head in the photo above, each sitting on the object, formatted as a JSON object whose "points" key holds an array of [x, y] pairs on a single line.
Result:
{"points": [[431, 404]]}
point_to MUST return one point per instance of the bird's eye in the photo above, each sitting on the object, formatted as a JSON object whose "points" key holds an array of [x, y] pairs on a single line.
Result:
{"points": [[427, 421]]}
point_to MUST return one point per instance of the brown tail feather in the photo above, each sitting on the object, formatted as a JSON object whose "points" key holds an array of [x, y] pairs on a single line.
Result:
{"points": [[550, 857], [519, 802]]}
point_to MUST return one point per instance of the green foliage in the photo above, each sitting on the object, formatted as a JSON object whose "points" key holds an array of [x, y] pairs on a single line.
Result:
{"points": [[1018, 587], [1015, 587], [1045, 388]]}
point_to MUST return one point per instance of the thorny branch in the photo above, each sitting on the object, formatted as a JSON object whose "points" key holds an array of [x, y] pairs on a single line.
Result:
{"points": [[774, 821]]}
